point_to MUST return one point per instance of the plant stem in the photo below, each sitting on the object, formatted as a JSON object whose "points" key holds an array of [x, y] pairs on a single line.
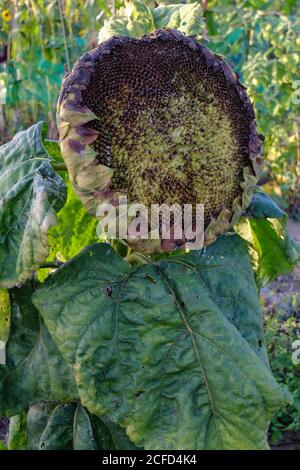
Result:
{"points": [[63, 29], [297, 132], [137, 258], [114, 8], [59, 166], [50, 265]]}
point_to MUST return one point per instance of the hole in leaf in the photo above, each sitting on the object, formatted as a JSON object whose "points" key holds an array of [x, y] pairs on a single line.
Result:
{"points": [[108, 291]]}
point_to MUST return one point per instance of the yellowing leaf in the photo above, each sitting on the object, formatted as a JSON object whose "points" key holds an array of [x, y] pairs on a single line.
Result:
{"points": [[30, 195]]}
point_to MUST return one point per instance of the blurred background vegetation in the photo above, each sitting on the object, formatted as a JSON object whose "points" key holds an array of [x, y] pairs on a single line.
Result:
{"points": [[39, 39]]}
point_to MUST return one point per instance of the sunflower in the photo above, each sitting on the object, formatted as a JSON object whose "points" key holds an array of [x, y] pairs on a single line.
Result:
{"points": [[167, 122], [6, 15]]}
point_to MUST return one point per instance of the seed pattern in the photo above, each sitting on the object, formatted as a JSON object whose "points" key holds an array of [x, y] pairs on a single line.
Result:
{"points": [[164, 120], [173, 130]]}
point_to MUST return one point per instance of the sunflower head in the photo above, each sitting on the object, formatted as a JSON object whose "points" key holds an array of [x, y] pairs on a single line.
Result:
{"points": [[161, 119], [6, 15]]}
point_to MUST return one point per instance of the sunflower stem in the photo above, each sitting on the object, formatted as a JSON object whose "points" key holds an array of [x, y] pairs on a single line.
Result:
{"points": [[59, 166], [137, 258], [50, 265]]}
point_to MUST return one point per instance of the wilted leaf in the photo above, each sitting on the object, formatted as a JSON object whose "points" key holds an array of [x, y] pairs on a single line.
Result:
{"points": [[30, 195], [140, 19], [173, 351], [273, 251], [186, 18]]}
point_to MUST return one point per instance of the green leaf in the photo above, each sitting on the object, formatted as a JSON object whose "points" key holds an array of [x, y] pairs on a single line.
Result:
{"points": [[17, 438], [5, 317], [37, 419], [92, 433], [174, 350], [75, 229], [57, 426], [58, 434], [53, 150], [137, 21], [34, 369], [109, 435], [186, 18], [263, 206], [273, 252], [235, 35], [106, 434], [30, 195], [83, 438], [140, 19]]}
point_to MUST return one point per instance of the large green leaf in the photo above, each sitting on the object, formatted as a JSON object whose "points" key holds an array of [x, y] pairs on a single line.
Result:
{"points": [[30, 195], [173, 350], [64, 426], [140, 19], [273, 251], [34, 369]]}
